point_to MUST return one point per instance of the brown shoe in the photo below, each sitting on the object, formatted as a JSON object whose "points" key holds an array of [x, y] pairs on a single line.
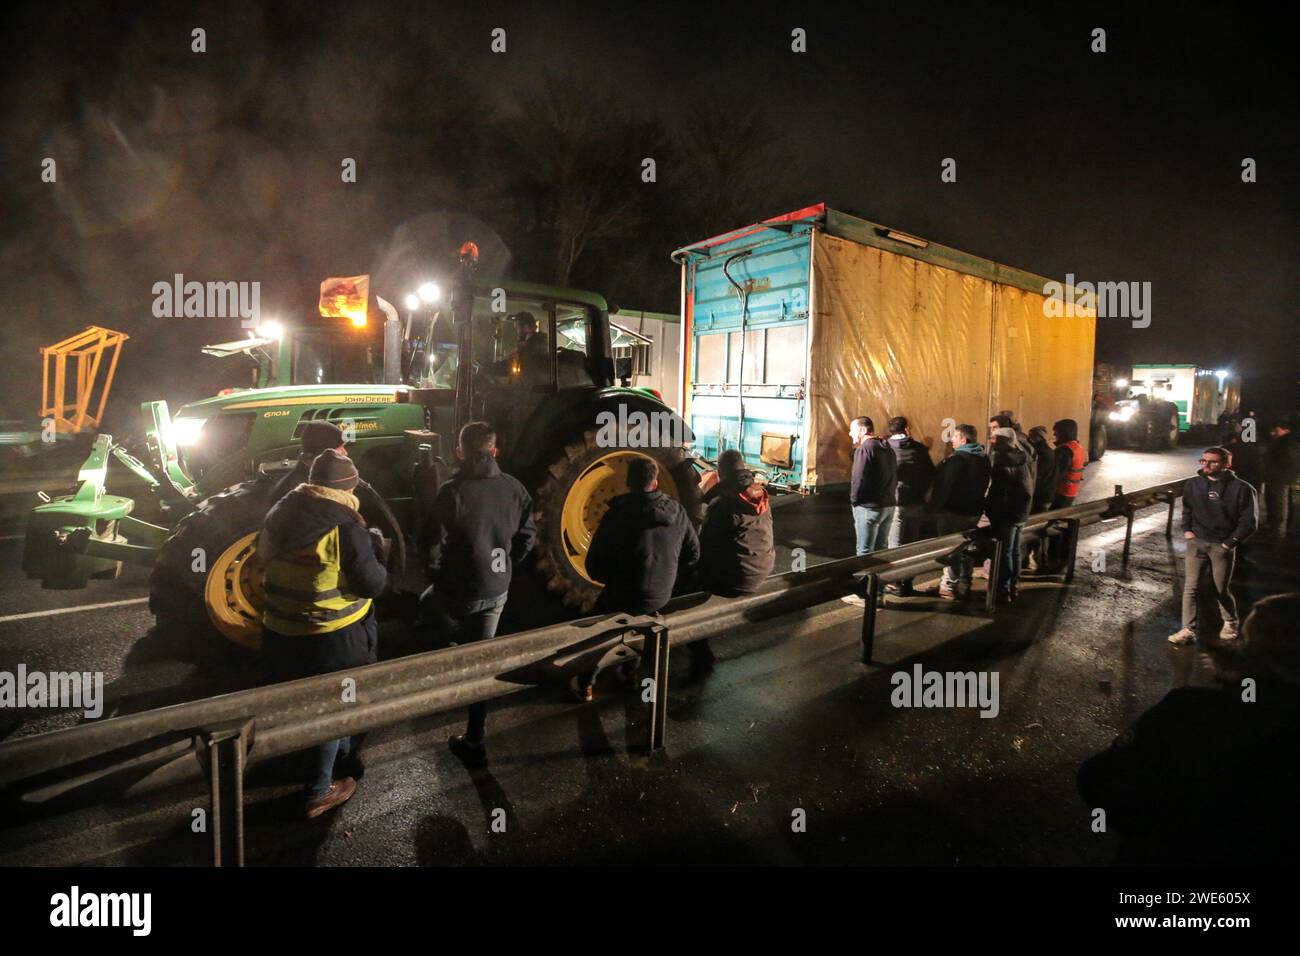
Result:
{"points": [[340, 791]]}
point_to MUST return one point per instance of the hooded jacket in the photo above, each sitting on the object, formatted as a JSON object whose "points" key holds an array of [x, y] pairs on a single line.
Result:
{"points": [[481, 517], [1224, 511], [914, 470], [299, 520], [874, 478], [960, 482], [736, 544], [1011, 484], [642, 544], [1044, 474]]}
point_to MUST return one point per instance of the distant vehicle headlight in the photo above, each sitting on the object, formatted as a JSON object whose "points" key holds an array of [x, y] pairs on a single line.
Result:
{"points": [[1123, 414], [186, 431]]}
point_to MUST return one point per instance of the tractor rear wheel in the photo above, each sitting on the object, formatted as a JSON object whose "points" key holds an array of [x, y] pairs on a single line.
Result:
{"points": [[207, 581], [574, 495], [1097, 441]]}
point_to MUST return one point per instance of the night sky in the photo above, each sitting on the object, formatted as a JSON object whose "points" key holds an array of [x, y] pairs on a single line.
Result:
{"points": [[1124, 165]]}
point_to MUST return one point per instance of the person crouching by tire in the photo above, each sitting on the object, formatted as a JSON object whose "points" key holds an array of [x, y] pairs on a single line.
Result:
{"points": [[481, 527], [737, 551], [643, 544], [323, 568]]}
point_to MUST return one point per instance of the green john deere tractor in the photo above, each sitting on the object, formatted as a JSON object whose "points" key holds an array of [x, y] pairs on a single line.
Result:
{"points": [[400, 390]]}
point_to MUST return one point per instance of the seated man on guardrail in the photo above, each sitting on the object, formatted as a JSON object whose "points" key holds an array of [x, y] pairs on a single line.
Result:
{"points": [[957, 500], [642, 545], [322, 570], [737, 550]]}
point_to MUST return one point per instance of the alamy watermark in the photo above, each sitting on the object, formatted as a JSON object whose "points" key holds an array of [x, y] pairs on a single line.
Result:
{"points": [[129, 910], [921, 688], [638, 429], [1114, 300], [208, 300], [73, 690]]}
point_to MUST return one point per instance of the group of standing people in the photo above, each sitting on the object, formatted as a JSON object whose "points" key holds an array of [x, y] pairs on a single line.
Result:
{"points": [[324, 567], [895, 490]]}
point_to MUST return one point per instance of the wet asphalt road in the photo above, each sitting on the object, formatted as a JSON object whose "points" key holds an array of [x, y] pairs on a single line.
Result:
{"points": [[789, 724]]}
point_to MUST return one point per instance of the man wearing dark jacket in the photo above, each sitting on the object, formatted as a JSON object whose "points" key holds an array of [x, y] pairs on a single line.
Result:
{"points": [[872, 486], [321, 573], [1219, 512], [316, 437], [914, 471], [1044, 488], [642, 545], [736, 544], [957, 500], [481, 527], [1281, 468], [737, 550], [1010, 496]]}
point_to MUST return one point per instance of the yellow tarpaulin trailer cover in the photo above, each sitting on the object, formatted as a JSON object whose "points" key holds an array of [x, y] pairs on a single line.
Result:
{"points": [[893, 335]]}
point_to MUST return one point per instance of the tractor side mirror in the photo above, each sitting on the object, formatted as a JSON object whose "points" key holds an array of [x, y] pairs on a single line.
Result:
{"points": [[623, 371]]}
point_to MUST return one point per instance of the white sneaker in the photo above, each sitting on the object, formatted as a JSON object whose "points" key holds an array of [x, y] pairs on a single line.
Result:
{"points": [[1229, 632], [856, 600], [1183, 636]]}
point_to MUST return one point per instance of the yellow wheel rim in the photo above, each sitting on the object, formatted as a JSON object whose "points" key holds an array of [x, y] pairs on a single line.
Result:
{"points": [[233, 593], [589, 497]]}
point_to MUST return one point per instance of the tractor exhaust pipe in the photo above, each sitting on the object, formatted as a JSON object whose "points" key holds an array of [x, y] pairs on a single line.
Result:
{"points": [[392, 342]]}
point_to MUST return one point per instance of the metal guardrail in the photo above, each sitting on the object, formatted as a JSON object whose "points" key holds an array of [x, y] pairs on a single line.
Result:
{"points": [[219, 737]]}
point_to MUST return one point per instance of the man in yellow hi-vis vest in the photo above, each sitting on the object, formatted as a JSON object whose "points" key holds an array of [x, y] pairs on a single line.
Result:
{"points": [[322, 570]]}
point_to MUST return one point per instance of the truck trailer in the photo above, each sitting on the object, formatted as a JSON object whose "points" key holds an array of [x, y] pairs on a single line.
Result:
{"points": [[793, 326]]}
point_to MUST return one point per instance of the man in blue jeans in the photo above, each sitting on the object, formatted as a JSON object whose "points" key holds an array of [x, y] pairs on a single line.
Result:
{"points": [[872, 486], [481, 526], [872, 489]]}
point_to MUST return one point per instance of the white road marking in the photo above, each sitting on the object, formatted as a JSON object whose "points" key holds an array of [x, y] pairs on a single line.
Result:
{"points": [[70, 610]]}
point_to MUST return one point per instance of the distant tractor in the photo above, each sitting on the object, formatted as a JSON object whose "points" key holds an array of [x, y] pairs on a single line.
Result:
{"points": [[1156, 404], [400, 390]]}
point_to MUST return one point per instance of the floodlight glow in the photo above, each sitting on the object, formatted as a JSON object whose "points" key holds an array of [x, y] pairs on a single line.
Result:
{"points": [[430, 292]]}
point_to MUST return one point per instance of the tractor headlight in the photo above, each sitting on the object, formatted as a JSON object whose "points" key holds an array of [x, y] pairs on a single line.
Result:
{"points": [[1123, 413], [186, 431]]}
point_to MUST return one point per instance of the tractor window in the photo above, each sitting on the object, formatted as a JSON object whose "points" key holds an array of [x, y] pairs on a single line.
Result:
{"points": [[324, 358], [496, 333]]}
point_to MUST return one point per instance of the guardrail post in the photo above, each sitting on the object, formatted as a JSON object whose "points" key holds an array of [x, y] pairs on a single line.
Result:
{"points": [[226, 747], [655, 654], [1127, 510], [1169, 522], [995, 568], [872, 596], [1071, 547]]}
